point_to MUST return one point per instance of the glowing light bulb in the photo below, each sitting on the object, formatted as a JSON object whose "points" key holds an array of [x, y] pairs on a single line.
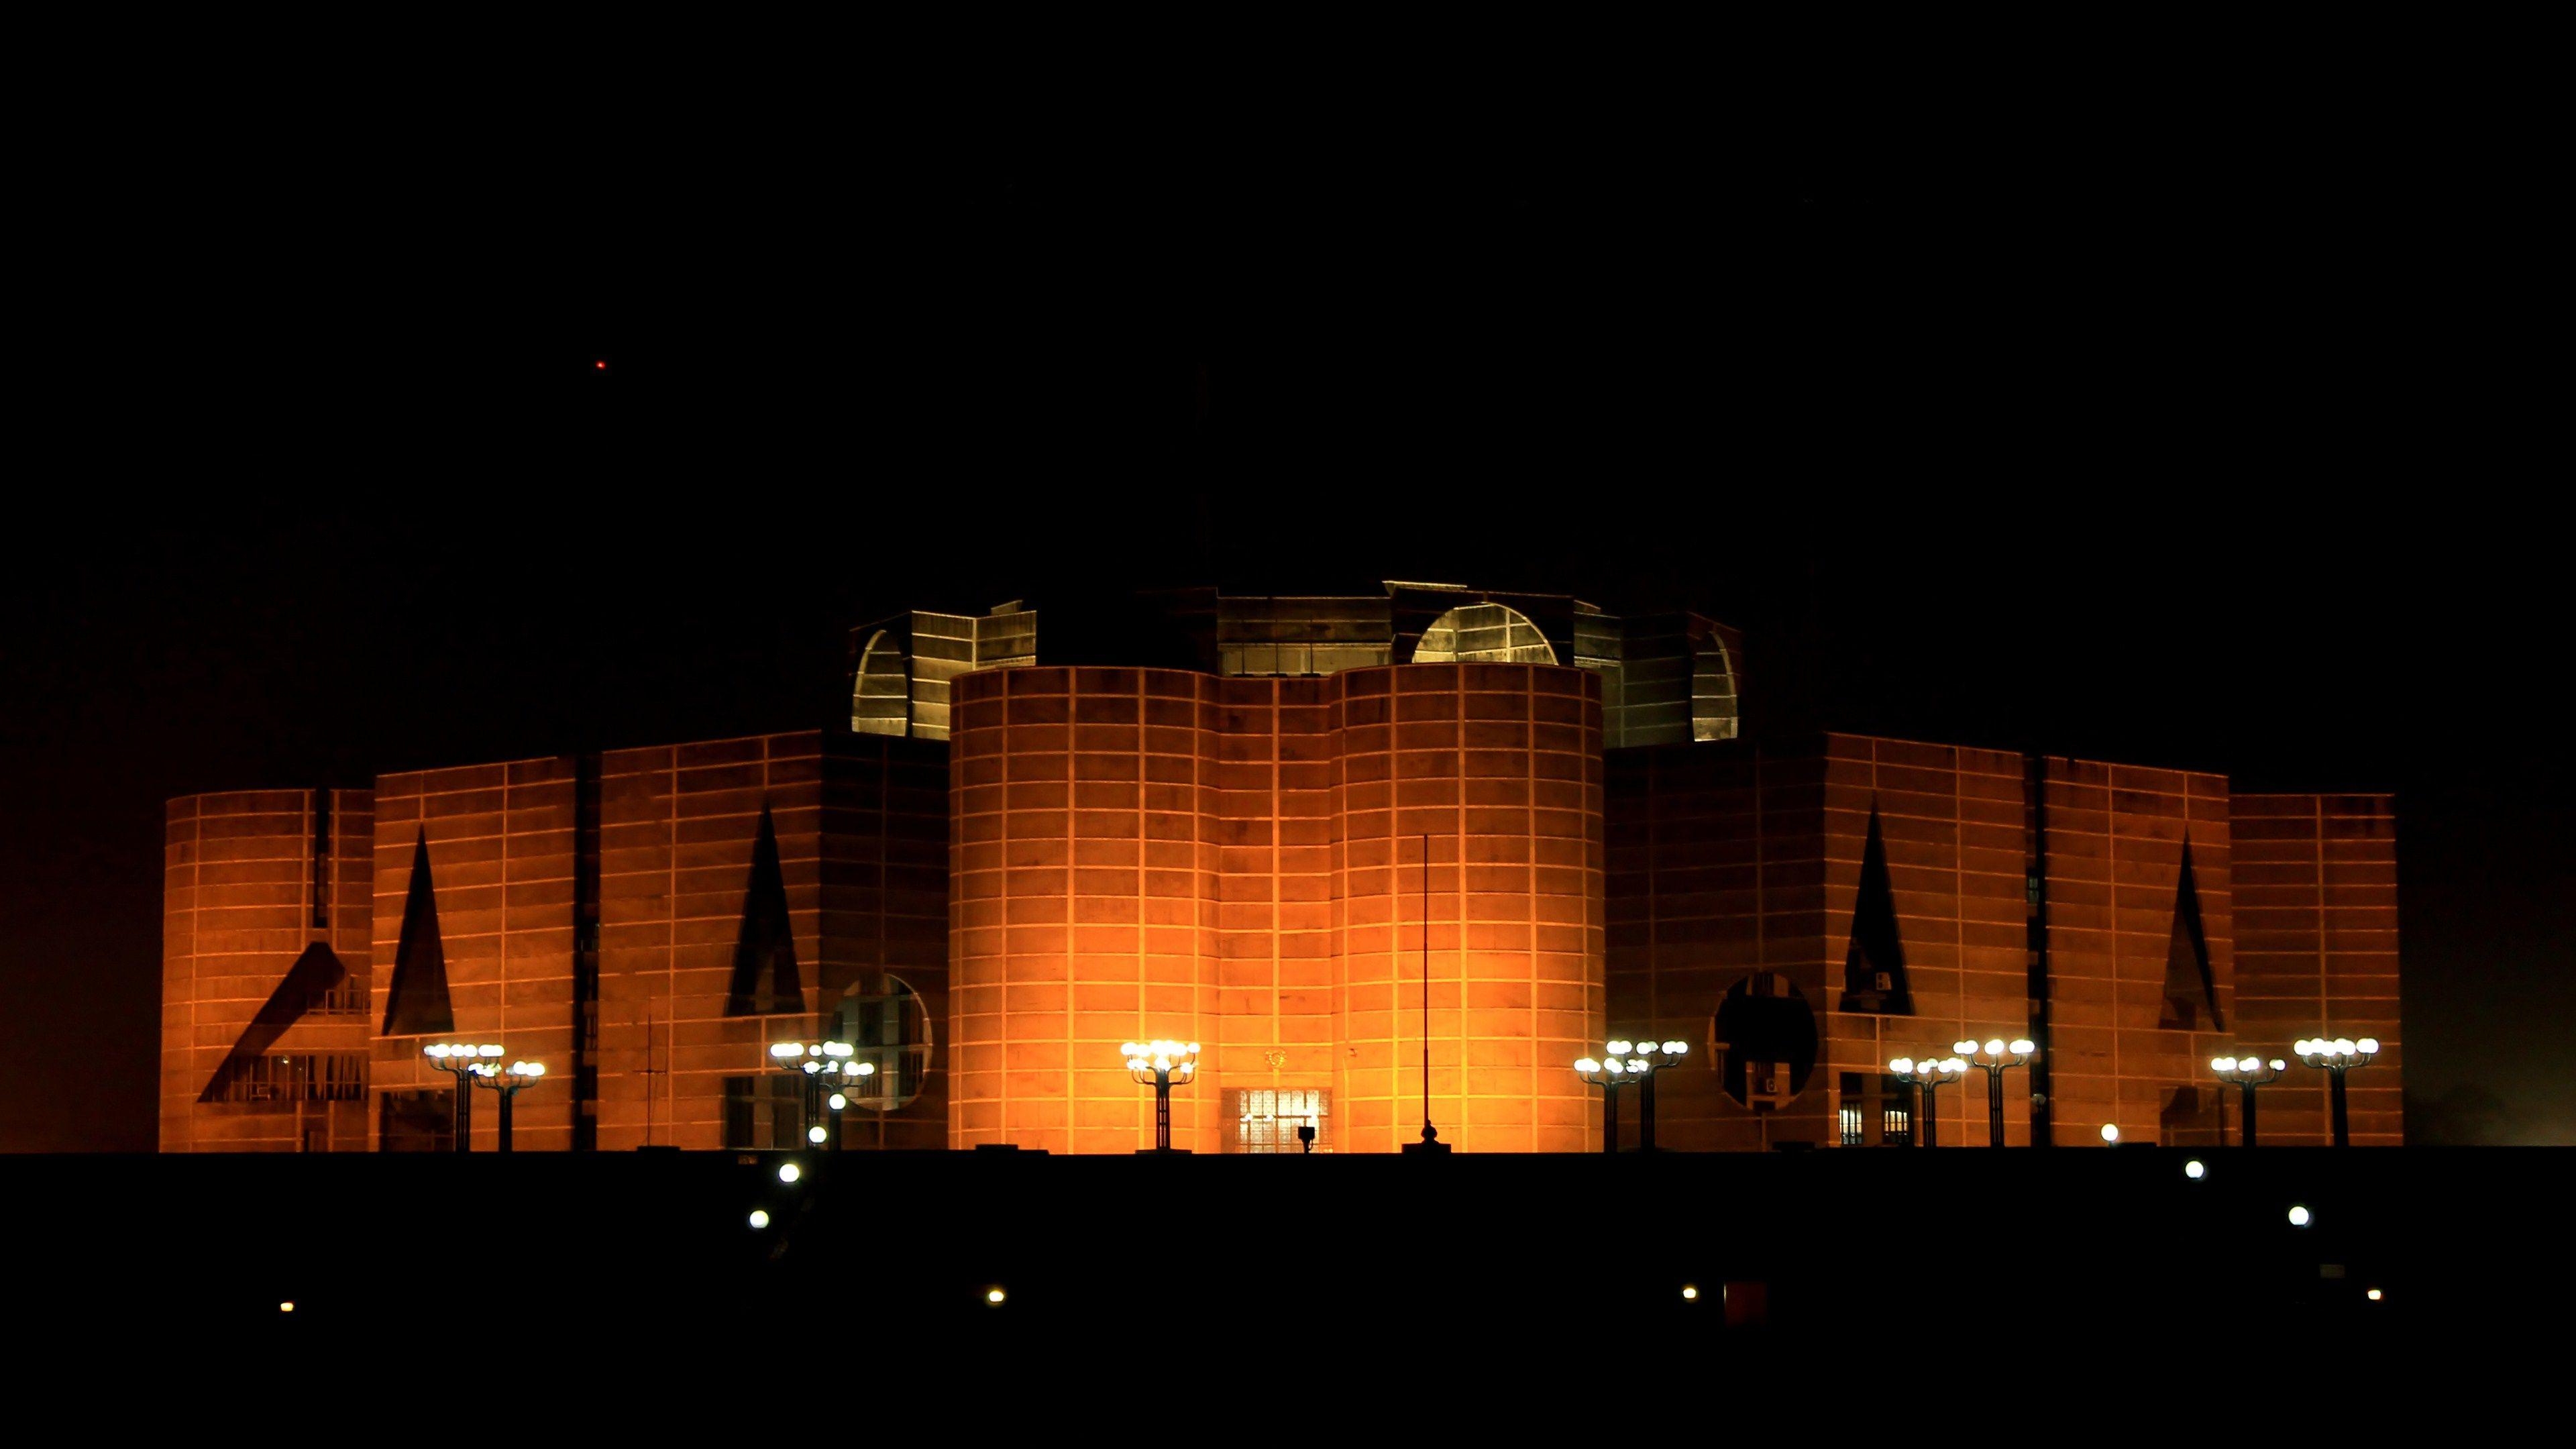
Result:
{"points": [[815, 1134], [1677, 1049], [864, 1069], [2194, 1170], [1964, 1048], [759, 1219], [1690, 1294], [789, 1172], [1901, 1066], [2222, 1065], [1586, 1065], [2374, 1295], [994, 1296], [2023, 1046], [2110, 1131], [2300, 1217], [788, 1049], [288, 1305], [435, 1049], [1995, 1048], [2368, 1046], [838, 1101], [1616, 1048]]}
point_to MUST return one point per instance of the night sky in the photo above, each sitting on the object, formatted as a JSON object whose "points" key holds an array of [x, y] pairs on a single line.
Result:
{"points": [[2213, 448]]}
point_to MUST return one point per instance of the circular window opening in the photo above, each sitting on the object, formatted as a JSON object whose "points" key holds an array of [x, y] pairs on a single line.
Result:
{"points": [[887, 1024], [1768, 1032]]}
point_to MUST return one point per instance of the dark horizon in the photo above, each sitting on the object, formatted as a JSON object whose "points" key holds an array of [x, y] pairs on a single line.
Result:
{"points": [[2216, 465]]}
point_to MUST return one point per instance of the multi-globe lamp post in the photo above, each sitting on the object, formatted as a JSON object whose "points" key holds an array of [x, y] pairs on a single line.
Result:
{"points": [[2247, 1073], [460, 1059], [2336, 1056], [1924, 1076], [1161, 1065], [508, 1082], [828, 1069], [1997, 1057], [1610, 1072], [1657, 1055]]}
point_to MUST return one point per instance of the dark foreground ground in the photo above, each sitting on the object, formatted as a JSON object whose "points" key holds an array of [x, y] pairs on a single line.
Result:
{"points": [[1555, 1282]]}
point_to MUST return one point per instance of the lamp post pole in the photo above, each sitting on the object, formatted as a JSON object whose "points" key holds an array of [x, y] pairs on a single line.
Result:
{"points": [[1923, 1076], [507, 1084], [1161, 1065], [463, 1061], [1657, 1056], [1997, 1057], [826, 1067], [2335, 1057], [1610, 1074], [2247, 1073]]}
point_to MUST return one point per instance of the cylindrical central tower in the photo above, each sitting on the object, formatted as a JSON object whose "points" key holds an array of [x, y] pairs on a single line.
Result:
{"points": [[1242, 862]]}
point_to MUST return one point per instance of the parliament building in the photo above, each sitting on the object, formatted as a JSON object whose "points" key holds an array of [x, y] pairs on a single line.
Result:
{"points": [[1326, 838]]}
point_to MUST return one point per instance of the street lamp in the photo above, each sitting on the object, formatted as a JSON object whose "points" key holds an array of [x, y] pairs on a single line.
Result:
{"points": [[1610, 1073], [2336, 1057], [1923, 1076], [1997, 1057], [825, 1066], [1161, 1065], [459, 1059], [1643, 1059], [2247, 1073], [509, 1082]]}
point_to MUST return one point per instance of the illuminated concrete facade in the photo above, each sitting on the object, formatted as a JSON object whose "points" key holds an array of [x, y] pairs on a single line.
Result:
{"points": [[1240, 862], [1249, 828], [264, 951]]}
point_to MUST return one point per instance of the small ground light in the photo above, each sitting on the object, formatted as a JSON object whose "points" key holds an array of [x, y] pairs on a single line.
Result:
{"points": [[2110, 1132], [1690, 1293], [289, 1305], [2194, 1170], [2374, 1295], [600, 366], [2299, 1216], [994, 1296], [789, 1172], [759, 1219]]}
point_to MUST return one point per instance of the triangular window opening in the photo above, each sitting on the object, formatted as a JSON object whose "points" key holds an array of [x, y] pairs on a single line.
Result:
{"points": [[765, 979], [1874, 965], [2189, 987], [416, 999]]}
